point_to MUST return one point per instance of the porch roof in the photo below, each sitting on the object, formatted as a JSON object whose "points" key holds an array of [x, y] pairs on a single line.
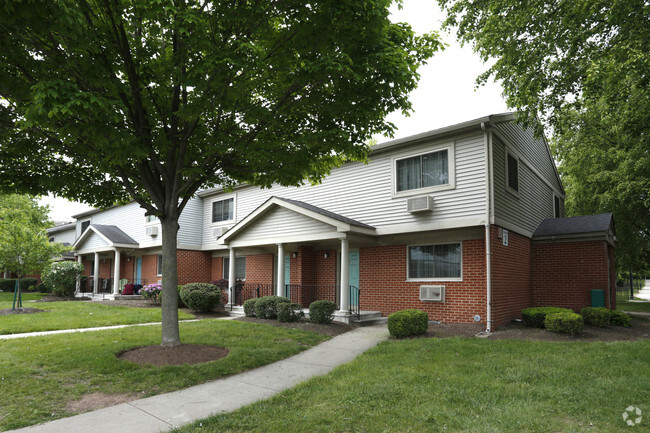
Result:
{"points": [[586, 226], [112, 237], [321, 223]]}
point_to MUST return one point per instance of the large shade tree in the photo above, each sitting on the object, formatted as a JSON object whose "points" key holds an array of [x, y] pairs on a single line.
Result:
{"points": [[115, 100], [582, 67]]}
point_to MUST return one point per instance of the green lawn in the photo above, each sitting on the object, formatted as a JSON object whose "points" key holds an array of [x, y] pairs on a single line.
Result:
{"points": [[643, 307], [462, 385], [72, 315], [39, 376]]}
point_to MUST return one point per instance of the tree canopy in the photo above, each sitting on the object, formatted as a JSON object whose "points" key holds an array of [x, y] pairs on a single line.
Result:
{"points": [[146, 100], [24, 245], [582, 68]]}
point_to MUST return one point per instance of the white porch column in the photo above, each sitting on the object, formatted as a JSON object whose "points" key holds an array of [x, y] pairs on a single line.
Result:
{"points": [[78, 284], [96, 274], [279, 290], [345, 276], [232, 278], [116, 273]]}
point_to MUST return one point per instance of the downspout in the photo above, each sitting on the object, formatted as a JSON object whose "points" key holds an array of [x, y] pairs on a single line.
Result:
{"points": [[488, 248]]}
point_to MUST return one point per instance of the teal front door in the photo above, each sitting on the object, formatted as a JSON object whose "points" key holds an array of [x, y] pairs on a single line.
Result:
{"points": [[138, 270], [353, 277], [287, 276]]}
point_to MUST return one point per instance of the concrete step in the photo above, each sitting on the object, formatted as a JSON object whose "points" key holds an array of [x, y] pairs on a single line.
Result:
{"points": [[369, 318]]}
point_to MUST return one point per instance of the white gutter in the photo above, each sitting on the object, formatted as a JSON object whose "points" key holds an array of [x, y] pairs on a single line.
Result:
{"points": [[487, 136]]}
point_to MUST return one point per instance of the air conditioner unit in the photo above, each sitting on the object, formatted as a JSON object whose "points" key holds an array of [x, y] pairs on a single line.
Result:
{"points": [[432, 293], [419, 204], [152, 231], [219, 231]]}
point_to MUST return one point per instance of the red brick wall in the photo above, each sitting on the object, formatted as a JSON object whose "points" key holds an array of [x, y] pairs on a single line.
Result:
{"points": [[127, 265], [105, 267], [511, 276], [217, 268], [259, 269], [194, 266], [149, 269], [384, 288], [564, 273]]}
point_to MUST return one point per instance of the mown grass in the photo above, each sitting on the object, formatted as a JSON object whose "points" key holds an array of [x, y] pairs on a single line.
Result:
{"points": [[73, 315], [39, 376], [643, 307], [461, 385]]}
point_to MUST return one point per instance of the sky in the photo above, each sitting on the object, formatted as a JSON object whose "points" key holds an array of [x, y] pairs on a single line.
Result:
{"points": [[446, 94]]}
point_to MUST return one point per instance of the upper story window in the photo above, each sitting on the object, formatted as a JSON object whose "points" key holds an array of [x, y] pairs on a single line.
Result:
{"points": [[434, 262], [422, 171], [84, 225], [151, 219], [512, 172], [556, 206], [223, 210]]}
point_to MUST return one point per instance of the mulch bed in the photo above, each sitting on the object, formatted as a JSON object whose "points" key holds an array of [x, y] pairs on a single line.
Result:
{"points": [[24, 310]]}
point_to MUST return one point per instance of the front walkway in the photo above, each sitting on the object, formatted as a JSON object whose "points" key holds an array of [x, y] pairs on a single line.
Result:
{"points": [[167, 411], [644, 293]]}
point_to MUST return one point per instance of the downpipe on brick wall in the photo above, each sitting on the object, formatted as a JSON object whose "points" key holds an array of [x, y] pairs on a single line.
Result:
{"points": [[487, 140]]}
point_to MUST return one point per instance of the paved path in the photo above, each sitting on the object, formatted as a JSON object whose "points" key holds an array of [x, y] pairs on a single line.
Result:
{"points": [[166, 411], [644, 293]]}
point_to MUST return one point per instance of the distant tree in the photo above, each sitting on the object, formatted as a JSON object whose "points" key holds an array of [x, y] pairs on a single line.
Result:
{"points": [[582, 68], [149, 100], [24, 245]]}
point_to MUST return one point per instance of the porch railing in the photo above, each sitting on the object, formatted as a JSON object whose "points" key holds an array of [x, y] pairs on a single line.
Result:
{"points": [[106, 284], [355, 301]]}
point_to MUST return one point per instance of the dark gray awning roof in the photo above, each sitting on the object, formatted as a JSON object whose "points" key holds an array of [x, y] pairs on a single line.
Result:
{"points": [[326, 213], [114, 234], [587, 224]]}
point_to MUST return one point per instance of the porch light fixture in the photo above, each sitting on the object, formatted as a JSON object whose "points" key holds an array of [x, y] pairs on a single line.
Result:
{"points": [[294, 255], [326, 255]]}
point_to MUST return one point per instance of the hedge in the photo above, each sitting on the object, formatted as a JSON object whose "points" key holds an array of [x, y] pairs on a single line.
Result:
{"points": [[570, 323], [288, 312], [596, 316], [406, 323], [266, 306], [534, 316], [618, 318], [200, 297], [249, 307], [322, 311]]}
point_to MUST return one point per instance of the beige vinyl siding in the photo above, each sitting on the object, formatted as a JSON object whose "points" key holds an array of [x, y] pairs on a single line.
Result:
{"points": [[191, 225], [531, 205], [94, 241], [533, 149], [283, 222], [364, 192]]}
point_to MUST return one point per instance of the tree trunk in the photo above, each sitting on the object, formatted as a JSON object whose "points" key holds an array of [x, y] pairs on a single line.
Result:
{"points": [[170, 332]]}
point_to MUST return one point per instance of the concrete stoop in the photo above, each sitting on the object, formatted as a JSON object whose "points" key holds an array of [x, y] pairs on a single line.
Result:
{"points": [[366, 318]]}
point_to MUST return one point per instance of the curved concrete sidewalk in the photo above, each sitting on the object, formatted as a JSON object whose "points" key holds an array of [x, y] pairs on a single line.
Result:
{"points": [[166, 411]]}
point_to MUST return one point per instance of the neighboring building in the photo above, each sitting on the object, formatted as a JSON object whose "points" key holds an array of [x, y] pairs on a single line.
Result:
{"points": [[442, 221], [64, 234]]}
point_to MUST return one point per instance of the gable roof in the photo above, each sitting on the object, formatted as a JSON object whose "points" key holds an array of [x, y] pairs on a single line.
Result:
{"points": [[576, 227], [338, 222], [112, 235]]}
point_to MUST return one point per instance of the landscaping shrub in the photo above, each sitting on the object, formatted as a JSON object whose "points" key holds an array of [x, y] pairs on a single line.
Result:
{"points": [[151, 292], [595, 316], [249, 307], [534, 316], [266, 306], [200, 297], [29, 284], [288, 312], [7, 284], [405, 323], [62, 277], [181, 304], [322, 311], [43, 288], [570, 323], [619, 318]]}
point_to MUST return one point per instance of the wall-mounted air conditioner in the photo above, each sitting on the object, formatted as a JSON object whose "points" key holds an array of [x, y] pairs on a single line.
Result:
{"points": [[432, 293], [152, 231], [219, 231], [419, 204]]}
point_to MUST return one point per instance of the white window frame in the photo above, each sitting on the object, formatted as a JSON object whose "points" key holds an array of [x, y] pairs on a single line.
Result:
{"points": [[225, 267], [451, 164], [158, 265], [557, 210], [234, 211], [153, 221], [512, 191], [81, 224], [408, 277]]}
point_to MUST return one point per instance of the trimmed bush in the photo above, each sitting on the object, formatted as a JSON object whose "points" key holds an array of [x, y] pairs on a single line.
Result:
{"points": [[595, 316], [43, 288], [406, 323], [619, 318], [7, 284], [249, 307], [569, 323], [62, 277], [534, 316], [266, 307], [28, 283], [200, 297], [290, 312], [181, 304], [322, 311]]}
